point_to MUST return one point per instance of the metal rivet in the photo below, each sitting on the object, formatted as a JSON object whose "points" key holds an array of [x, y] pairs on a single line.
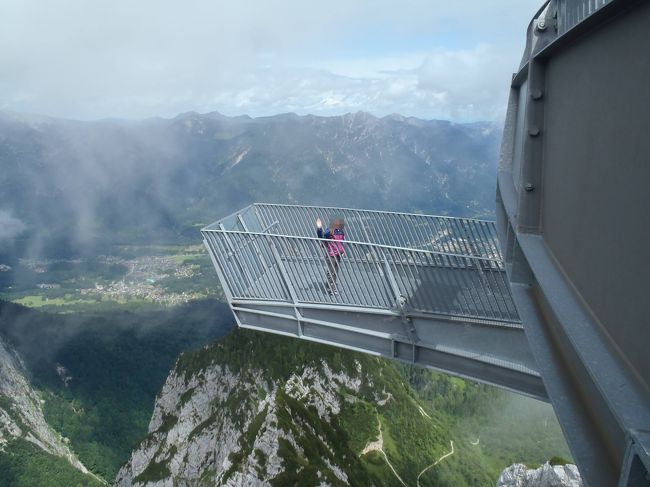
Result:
{"points": [[529, 187], [536, 94], [533, 131]]}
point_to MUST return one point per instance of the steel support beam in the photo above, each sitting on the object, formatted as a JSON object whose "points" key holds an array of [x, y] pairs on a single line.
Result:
{"points": [[495, 355], [571, 206]]}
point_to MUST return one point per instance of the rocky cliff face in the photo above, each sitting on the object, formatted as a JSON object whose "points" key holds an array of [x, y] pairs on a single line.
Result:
{"points": [[197, 425], [257, 409], [547, 475], [21, 415], [303, 416]]}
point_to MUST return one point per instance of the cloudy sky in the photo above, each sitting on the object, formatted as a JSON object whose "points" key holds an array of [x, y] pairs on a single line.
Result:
{"points": [[91, 59]]}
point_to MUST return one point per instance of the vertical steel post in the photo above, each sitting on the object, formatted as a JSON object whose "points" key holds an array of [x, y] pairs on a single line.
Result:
{"points": [[287, 283]]}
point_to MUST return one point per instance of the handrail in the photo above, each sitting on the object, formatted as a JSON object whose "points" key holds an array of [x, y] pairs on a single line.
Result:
{"points": [[407, 230], [342, 208], [294, 269], [346, 242], [572, 12]]}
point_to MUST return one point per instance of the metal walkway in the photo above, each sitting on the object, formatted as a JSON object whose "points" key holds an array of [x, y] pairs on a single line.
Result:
{"points": [[429, 290]]}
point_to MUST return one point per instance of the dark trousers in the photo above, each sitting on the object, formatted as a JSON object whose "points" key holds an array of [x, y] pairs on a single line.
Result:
{"points": [[333, 263]]}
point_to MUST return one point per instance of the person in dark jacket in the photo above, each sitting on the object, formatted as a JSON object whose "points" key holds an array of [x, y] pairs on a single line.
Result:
{"points": [[334, 235]]}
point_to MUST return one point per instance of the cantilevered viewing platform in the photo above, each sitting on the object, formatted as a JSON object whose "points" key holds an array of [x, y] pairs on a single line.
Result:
{"points": [[423, 289], [572, 212]]}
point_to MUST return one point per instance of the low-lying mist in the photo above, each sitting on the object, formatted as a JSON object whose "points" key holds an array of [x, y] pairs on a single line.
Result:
{"points": [[75, 188]]}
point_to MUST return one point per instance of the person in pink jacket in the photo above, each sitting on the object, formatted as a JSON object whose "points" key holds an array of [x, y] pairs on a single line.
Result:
{"points": [[333, 235]]}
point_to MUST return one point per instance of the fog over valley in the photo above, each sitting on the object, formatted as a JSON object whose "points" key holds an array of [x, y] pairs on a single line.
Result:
{"points": [[71, 186]]}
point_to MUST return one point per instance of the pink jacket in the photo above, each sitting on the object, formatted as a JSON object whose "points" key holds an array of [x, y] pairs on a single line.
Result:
{"points": [[336, 248]]}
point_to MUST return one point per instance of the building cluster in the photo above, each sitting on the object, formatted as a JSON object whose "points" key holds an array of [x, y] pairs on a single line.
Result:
{"points": [[122, 291], [144, 279], [45, 285]]}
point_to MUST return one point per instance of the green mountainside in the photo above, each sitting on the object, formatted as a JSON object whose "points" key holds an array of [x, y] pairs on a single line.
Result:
{"points": [[98, 373], [255, 407], [31, 452], [25, 465]]}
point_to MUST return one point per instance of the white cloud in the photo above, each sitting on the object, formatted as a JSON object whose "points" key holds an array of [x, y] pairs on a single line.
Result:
{"points": [[461, 85], [159, 57], [10, 226], [474, 83]]}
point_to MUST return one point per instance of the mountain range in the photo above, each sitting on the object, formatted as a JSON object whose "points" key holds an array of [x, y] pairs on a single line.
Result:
{"points": [[72, 186]]}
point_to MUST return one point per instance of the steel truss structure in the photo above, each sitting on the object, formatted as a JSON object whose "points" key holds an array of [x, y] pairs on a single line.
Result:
{"points": [[429, 290]]}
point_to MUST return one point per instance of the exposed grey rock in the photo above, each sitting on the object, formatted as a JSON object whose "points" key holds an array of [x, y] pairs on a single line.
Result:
{"points": [[200, 421], [21, 415], [518, 475]]}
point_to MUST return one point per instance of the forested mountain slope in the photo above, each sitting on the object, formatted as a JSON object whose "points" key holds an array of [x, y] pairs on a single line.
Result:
{"points": [[257, 409], [85, 383]]}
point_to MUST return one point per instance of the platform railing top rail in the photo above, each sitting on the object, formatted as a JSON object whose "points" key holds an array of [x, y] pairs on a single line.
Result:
{"points": [[571, 12], [461, 236]]}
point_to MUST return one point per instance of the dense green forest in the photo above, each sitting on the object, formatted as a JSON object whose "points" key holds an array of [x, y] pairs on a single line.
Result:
{"points": [[509, 427], [25, 465], [116, 360], [490, 428]]}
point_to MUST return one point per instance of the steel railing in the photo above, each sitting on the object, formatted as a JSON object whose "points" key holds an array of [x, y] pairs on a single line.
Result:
{"points": [[447, 266], [571, 12], [414, 231]]}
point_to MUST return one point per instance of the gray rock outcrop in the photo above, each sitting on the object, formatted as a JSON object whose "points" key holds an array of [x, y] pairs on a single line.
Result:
{"points": [[518, 475], [224, 426], [21, 415]]}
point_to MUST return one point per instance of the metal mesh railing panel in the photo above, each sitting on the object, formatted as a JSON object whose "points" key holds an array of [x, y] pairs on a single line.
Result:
{"points": [[297, 269], [571, 12], [439, 234]]}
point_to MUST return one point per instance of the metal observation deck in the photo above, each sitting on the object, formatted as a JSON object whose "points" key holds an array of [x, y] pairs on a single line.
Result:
{"points": [[424, 289], [572, 221]]}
